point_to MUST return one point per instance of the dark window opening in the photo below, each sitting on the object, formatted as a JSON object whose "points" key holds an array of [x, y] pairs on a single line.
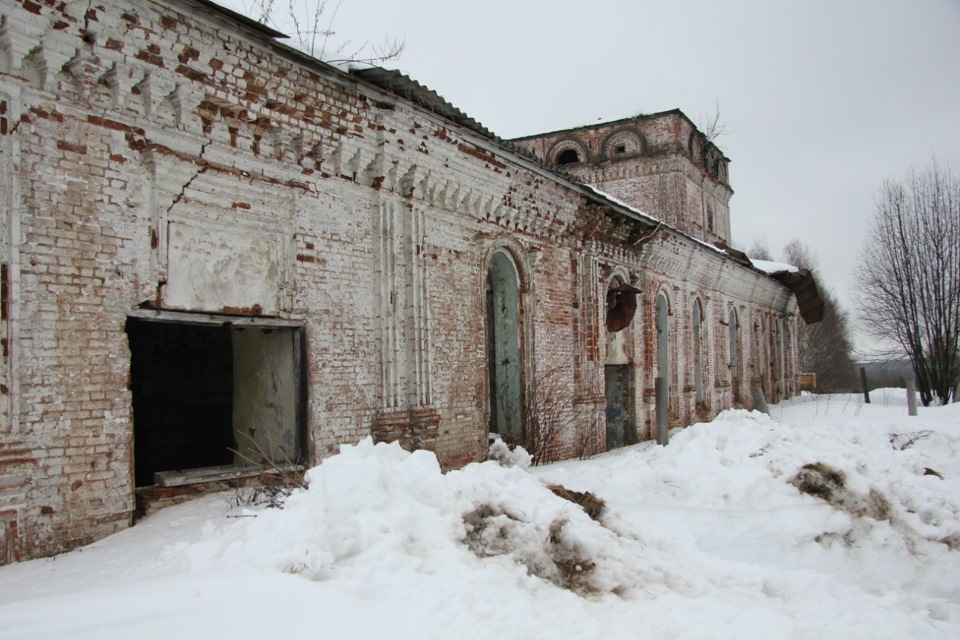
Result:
{"points": [[213, 395], [568, 156], [620, 149]]}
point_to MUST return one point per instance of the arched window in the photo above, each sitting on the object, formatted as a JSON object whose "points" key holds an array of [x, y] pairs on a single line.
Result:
{"points": [[622, 143], [568, 156]]}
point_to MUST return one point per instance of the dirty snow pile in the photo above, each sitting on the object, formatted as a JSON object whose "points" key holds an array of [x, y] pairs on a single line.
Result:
{"points": [[827, 519]]}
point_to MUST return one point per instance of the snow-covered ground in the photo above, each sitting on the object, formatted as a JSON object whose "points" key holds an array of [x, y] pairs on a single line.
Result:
{"points": [[705, 538]]}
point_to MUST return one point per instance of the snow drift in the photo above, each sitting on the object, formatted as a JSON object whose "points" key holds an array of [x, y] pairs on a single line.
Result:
{"points": [[830, 519]]}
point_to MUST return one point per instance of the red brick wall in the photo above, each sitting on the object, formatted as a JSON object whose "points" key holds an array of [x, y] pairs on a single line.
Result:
{"points": [[155, 158], [657, 163]]}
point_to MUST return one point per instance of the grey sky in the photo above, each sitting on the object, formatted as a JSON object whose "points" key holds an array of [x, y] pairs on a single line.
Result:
{"points": [[822, 100]]}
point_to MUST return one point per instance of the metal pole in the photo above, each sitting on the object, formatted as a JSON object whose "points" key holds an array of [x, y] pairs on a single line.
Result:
{"points": [[863, 381], [911, 397], [663, 406]]}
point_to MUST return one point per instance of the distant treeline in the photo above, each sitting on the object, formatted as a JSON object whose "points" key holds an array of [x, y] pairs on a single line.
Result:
{"points": [[886, 373]]}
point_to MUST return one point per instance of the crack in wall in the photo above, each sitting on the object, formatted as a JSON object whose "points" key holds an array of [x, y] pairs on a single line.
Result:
{"points": [[200, 172]]}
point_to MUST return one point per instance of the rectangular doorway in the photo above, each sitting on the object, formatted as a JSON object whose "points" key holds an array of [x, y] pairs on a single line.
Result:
{"points": [[620, 429], [214, 394]]}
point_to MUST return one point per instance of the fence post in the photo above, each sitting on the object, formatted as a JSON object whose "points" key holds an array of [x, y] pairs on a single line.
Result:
{"points": [[863, 381], [911, 397], [662, 408]]}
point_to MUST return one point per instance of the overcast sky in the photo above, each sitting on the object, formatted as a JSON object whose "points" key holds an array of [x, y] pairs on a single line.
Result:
{"points": [[822, 100]]}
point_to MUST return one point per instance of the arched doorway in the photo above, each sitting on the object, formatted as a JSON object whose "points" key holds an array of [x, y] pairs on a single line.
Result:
{"points": [[663, 341], [734, 356], [504, 348], [621, 306], [698, 350]]}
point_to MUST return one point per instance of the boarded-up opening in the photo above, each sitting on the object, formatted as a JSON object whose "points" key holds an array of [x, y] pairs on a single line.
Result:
{"points": [[212, 395], [619, 396], [8, 537], [618, 387]]}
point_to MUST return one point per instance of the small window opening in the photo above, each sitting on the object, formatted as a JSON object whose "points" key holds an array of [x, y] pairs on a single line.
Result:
{"points": [[620, 149], [568, 156]]}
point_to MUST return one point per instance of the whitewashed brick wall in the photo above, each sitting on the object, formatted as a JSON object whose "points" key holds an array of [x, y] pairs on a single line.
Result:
{"points": [[158, 154]]}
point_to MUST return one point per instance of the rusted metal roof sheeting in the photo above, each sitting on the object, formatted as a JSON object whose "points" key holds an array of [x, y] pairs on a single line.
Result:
{"points": [[804, 287], [406, 87]]}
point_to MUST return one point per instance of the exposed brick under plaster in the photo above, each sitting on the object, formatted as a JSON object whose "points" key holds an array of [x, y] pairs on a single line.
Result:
{"points": [[157, 155]]}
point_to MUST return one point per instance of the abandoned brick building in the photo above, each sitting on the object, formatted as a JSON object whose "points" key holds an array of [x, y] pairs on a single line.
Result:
{"points": [[215, 248]]}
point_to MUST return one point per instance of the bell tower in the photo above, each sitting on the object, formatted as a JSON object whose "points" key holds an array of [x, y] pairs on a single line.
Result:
{"points": [[659, 163]]}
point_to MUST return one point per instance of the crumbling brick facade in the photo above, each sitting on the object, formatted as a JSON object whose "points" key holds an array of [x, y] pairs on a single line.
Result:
{"points": [[659, 163], [168, 163]]}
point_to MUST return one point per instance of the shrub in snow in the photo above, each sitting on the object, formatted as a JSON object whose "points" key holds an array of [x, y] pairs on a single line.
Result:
{"points": [[903, 441], [271, 488]]}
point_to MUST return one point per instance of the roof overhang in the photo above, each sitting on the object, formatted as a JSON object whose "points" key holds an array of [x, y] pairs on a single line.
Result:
{"points": [[804, 287]]}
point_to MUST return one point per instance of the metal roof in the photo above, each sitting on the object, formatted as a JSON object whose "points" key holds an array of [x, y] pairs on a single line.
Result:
{"points": [[406, 87]]}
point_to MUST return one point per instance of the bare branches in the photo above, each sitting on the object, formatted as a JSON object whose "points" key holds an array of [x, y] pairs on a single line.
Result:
{"points": [[372, 54], [276, 482], [799, 255], [711, 125], [909, 276], [549, 417], [312, 25], [760, 250]]}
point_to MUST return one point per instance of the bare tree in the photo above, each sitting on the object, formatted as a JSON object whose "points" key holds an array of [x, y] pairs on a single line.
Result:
{"points": [[800, 255], [909, 276], [711, 125], [760, 250], [312, 23], [825, 347]]}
